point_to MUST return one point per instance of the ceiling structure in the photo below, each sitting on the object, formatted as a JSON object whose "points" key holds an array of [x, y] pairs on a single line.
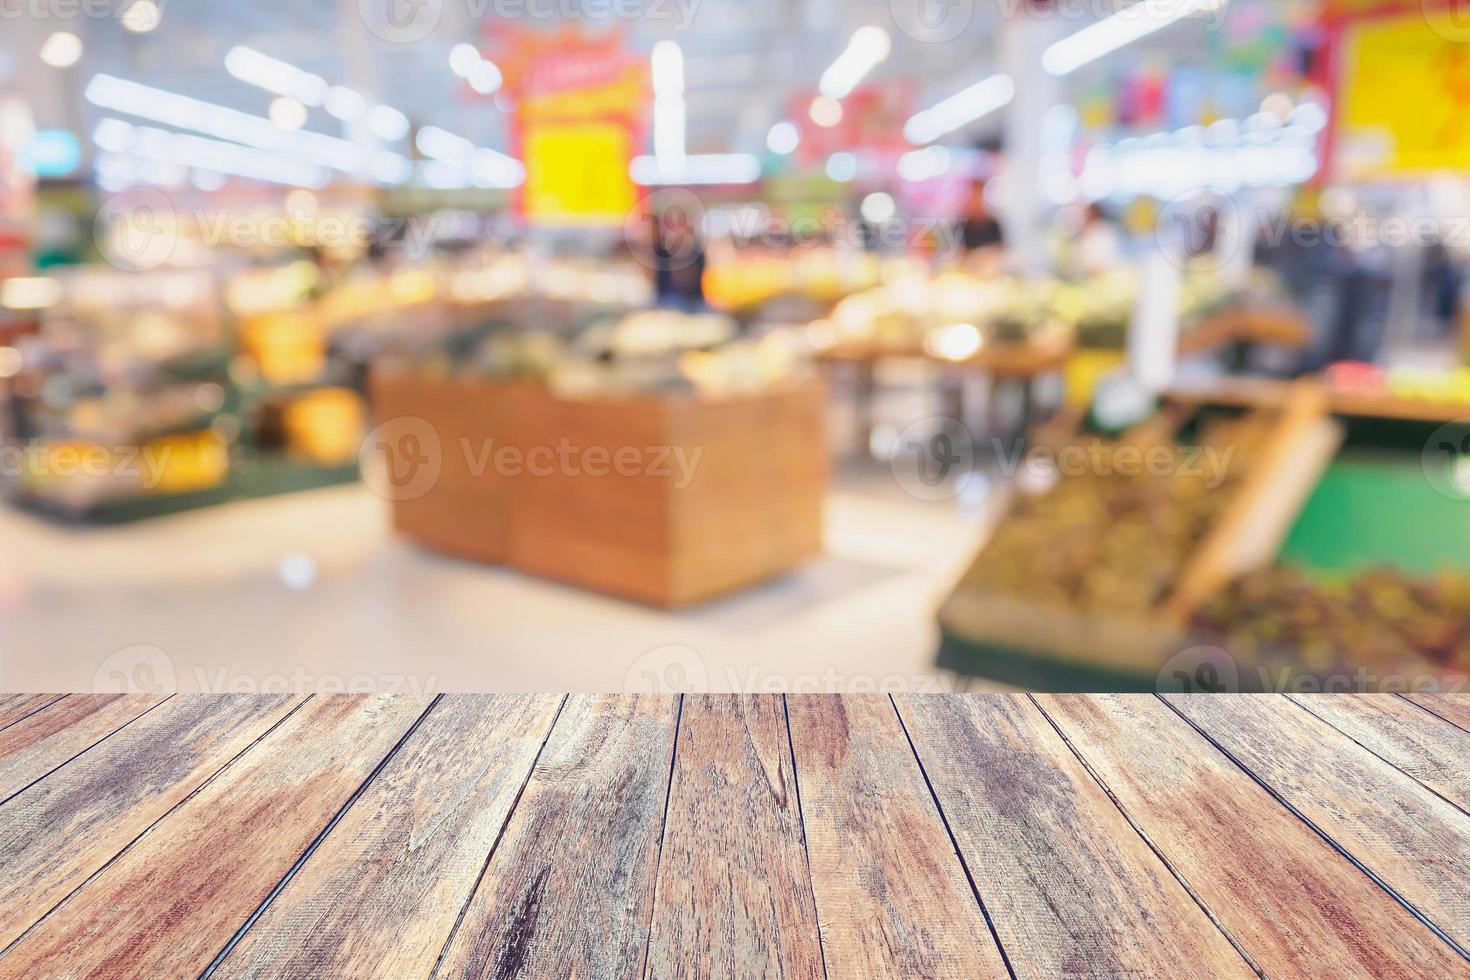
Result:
{"points": [[743, 58]]}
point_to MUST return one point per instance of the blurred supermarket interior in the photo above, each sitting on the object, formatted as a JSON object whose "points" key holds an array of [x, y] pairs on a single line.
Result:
{"points": [[763, 345]]}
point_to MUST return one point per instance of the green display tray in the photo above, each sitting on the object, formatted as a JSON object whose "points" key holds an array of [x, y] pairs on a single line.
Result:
{"points": [[130, 509], [1033, 670], [269, 476], [1379, 508]]}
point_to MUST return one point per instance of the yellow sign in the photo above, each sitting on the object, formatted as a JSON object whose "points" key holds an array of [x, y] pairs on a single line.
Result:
{"points": [[577, 173], [1404, 97]]}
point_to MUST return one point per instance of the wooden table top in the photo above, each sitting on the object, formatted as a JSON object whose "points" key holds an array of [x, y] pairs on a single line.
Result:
{"points": [[734, 836]]}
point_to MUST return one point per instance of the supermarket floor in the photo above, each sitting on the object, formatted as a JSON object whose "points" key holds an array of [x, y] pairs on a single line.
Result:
{"points": [[313, 592]]}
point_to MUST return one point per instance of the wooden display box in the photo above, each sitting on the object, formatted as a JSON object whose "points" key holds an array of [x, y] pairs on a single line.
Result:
{"points": [[1052, 647], [668, 500], [467, 511], [713, 494]]}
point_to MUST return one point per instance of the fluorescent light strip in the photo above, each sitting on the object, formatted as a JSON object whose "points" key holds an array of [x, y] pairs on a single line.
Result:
{"points": [[202, 153], [254, 68], [261, 70], [666, 64], [867, 47], [980, 99], [698, 168], [476, 165], [1139, 20], [231, 125]]}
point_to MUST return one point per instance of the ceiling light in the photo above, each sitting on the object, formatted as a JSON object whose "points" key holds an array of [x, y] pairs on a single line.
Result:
{"points": [[62, 50], [669, 113], [387, 123], [867, 47], [184, 112], [826, 111], [667, 63], [878, 207], [142, 16], [463, 58], [698, 168], [1138, 20], [485, 78], [162, 146], [274, 75], [980, 99], [344, 104], [783, 138], [842, 167], [288, 113]]}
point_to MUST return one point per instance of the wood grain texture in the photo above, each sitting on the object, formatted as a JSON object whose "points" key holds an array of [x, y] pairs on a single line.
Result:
{"points": [[1415, 842], [380, 895], [734, 895], [1071, 888], [31, 748], [1453, 708], [14, 707], [891, 895], [66, 827], [1407, 737], [1295, 905], [569, 890], [167, 905]]}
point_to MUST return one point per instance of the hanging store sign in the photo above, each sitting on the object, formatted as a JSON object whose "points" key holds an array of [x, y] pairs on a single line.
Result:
{"points": [[1380, 57], [579, 109]]}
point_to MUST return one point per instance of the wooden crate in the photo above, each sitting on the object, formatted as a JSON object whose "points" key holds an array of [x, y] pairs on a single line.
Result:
{"points": [[467, 511], [1048, 646], [745, 505]]}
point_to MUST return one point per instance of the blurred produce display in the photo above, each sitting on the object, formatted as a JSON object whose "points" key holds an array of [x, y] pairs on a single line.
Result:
{"points": [[919, 312], [1381, 620], [641, 352], [742, 279], [1112, 541], [500, 276]]}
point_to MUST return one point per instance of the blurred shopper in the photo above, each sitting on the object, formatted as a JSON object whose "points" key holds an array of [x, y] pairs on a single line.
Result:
{"points": [[678, 260], [979, 229], [1098, 246]]}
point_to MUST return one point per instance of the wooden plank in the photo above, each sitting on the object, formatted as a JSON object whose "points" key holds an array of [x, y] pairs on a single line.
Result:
{"points": [[1275, 488], [58, 832], [168, 904], [1306, 911], [1407, 737], [1071, 887], [891, 894], [380, 895], [1413, 841], [14, 707], [31, 748], [734, 895], [1453, 708], [569, 890]]}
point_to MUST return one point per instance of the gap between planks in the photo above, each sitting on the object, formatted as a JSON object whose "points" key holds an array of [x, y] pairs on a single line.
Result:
{"points": [[1331, 841]]}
